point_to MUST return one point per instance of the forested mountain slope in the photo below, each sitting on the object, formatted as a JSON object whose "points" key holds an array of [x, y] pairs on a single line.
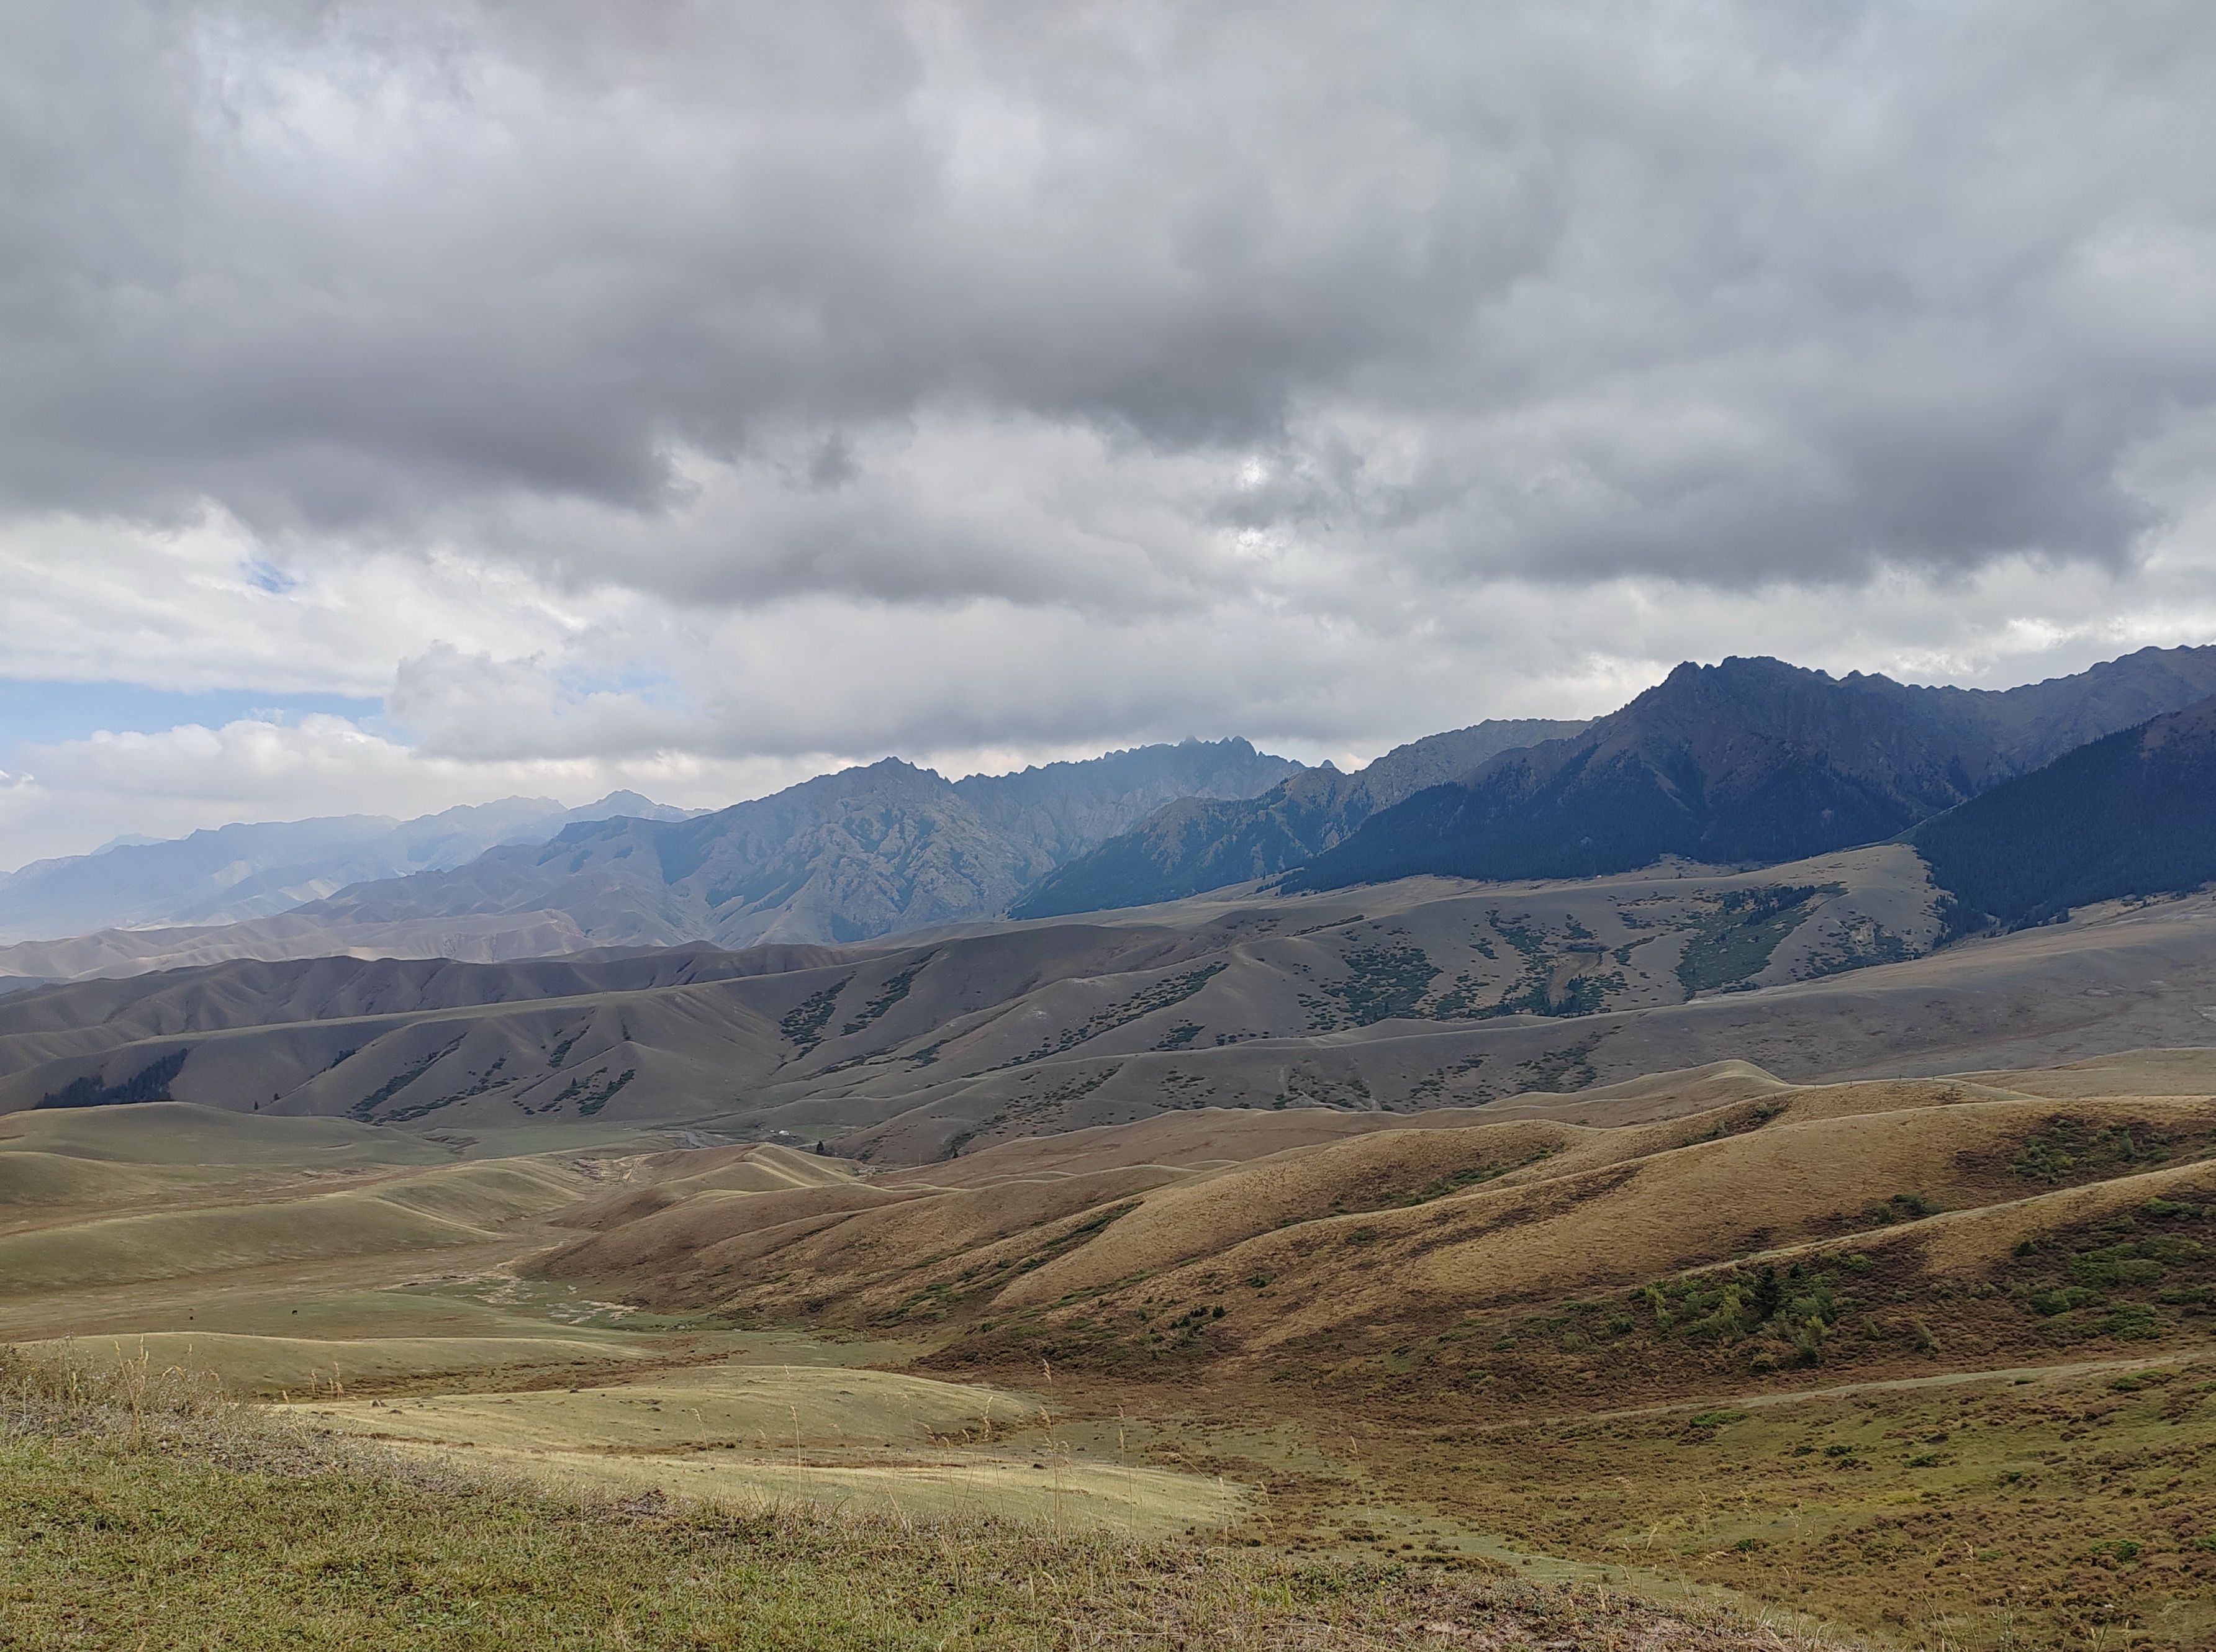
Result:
{"points": [[2131, 814]]}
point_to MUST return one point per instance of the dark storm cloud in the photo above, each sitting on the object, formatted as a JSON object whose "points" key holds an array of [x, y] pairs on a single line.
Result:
{"points": [[1728, 293]]}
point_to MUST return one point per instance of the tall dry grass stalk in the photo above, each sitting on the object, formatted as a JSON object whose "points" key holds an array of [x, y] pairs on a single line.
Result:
{"points": [[121, 1396]]}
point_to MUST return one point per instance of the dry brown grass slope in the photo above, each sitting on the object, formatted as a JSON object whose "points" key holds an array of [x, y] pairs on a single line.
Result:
{"points": [[844, 1248], [1615, 1226], [1253, 1257]]}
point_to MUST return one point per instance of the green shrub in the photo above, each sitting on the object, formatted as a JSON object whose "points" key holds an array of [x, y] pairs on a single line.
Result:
{"points": [[2129, 1322]]}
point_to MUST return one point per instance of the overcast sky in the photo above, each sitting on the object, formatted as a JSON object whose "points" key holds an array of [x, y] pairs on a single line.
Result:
{"points": [[406, 404]]}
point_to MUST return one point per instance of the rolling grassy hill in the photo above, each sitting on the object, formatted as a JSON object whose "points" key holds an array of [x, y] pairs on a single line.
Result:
{"points": [[1850, 1323], [1413, 1224]]}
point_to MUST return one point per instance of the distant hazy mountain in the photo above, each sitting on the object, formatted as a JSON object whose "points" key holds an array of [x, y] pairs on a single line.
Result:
{"points": [[1752, 761], [238, 872], [1197, 844], [845, 856], [2133, 813]]}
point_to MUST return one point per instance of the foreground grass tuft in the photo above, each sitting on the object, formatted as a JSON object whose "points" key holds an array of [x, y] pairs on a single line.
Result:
{"points": [[138, 1507]]}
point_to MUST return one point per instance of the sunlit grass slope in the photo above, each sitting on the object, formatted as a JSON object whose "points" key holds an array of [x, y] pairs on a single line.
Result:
{"points": [[177, 1132], [439, 1208], [134, 1515]]}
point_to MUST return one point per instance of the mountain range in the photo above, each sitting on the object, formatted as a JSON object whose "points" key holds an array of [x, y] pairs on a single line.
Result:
{"points": [[1749, 761], [1200, 844], [845, 856], [1406, 997], [230, 874]]}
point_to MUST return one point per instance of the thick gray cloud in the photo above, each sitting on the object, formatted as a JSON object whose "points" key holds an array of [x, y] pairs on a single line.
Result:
{"points": [[692, 397], [1111, 306]]}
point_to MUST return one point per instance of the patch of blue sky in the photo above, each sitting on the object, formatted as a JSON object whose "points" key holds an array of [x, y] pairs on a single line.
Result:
{"points": [[46, 713], [637, 683], [267, 576]]}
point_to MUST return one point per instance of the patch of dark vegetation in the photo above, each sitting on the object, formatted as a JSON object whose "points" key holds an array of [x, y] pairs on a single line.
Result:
{"points": [[1859, 942], [150, 1084], [1458, 1002], [1584, 993], [1529, 992], [596, 1093], [1559, 1071], [1160, 996], [2135, 1277], [489, 1079], [1042, 1111], [1565, 981], [1737, 931], [360, 1110], [1902, 1207], [560, 1052], [885, 996], [1179, 1037], [804, 1023], [1741, 1120], [1383, 983], [2079, 1150], [1790, 1311], [1470, 1176]]}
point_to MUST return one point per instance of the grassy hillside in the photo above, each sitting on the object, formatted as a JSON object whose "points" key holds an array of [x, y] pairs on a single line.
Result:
{"points": [[1397, 1231], [141, 1514], [1931, 1358], [1793, 1339], [178, 1134]]}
